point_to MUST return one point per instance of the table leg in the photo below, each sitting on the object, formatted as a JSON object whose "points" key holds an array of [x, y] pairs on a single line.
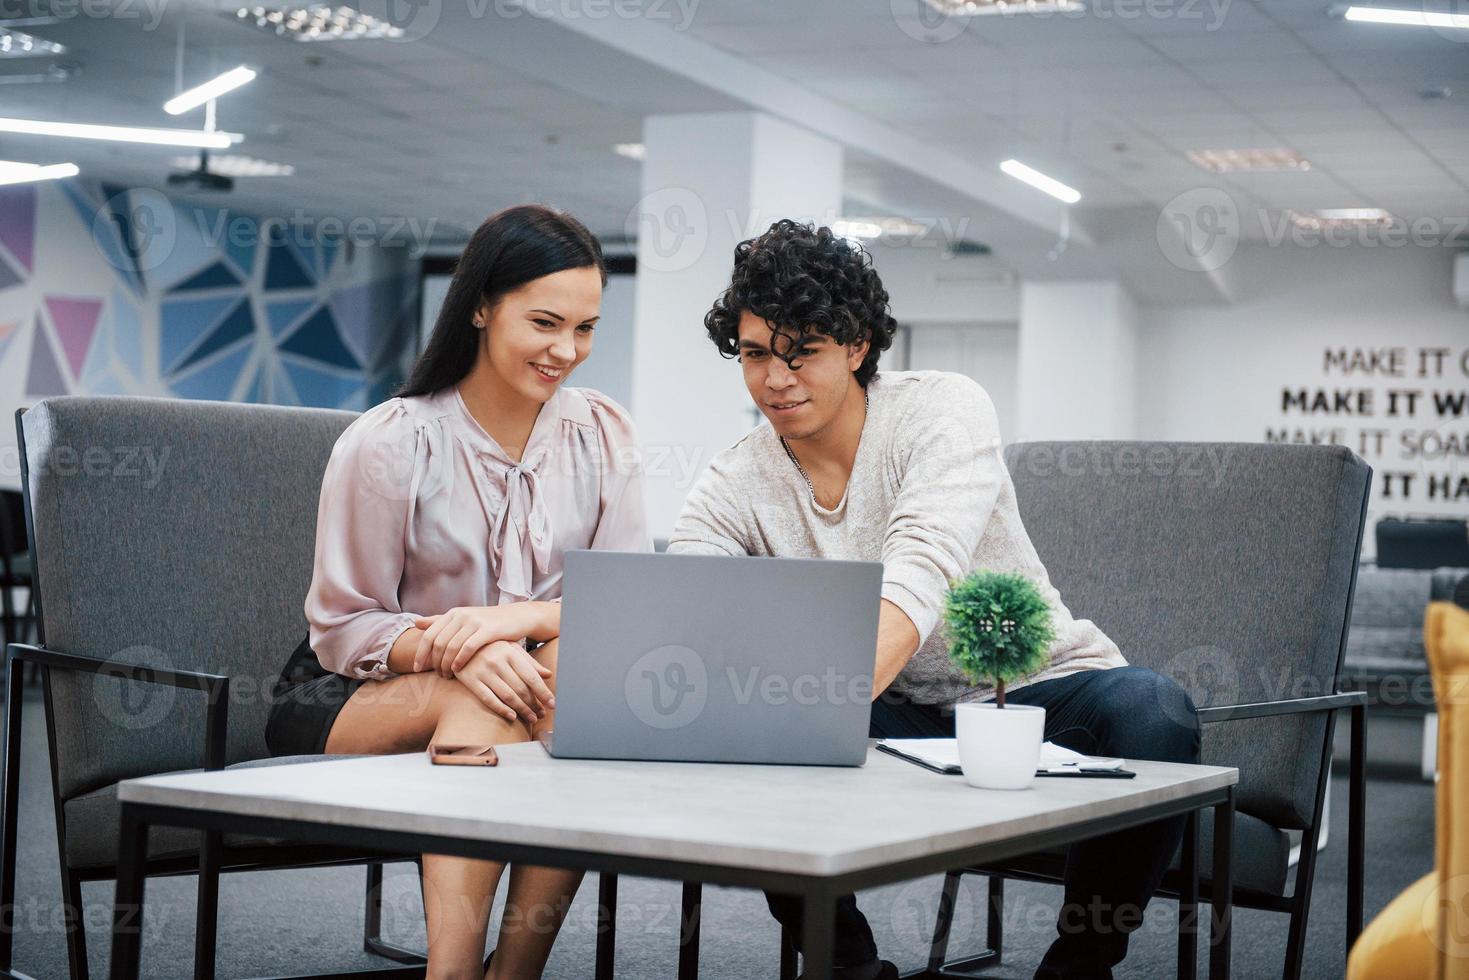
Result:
{"points": [[688, 937], [127, 912], [818, 935], [1188, 900], [606, 924], [1222, 888]]}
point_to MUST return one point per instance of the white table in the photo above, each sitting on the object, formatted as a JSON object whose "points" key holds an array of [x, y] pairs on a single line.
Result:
{"points": [[816, 832]]}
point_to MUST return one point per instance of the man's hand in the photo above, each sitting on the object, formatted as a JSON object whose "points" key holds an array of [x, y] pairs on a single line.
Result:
{"points": [[509, 681], [450, 639]]}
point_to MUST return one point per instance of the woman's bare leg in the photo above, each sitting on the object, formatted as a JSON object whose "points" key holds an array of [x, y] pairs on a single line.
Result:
{"points": [[405, 714], [539, 897]]}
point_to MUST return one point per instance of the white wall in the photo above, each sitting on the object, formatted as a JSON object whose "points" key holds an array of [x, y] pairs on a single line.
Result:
{"points": [[1219, 372], [986, 352], [1077, 363]]}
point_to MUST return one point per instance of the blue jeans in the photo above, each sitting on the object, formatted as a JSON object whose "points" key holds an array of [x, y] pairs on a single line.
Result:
{"points": [[1130, 712]]}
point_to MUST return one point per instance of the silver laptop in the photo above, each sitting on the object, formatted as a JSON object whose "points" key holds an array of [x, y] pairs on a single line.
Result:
{"points": [[713, 659]]}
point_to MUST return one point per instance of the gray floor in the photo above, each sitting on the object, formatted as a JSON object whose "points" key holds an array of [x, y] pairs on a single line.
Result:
{"points": [[279, 923]]}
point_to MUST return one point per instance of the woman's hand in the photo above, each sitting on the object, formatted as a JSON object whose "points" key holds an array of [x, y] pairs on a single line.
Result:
{"points": [[509, 681], [451, 638]]}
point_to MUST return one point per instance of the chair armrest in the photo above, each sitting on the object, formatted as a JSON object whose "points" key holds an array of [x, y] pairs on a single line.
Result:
{"points": [[1262, 709], [215, 686]]}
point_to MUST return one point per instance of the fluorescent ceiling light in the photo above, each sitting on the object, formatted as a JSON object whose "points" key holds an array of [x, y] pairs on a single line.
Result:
{"points": [[14, 44], [1340, 217], [212, 89], [867, 228], [976, 8], [231, 165], [15, 172], [633, 151], [1038, 180], [1408, 18], [319, 22], [121, 134], [1241, 161]]}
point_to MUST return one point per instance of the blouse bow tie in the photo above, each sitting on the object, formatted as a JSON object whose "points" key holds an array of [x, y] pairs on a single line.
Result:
{"points": [[520, 539]]}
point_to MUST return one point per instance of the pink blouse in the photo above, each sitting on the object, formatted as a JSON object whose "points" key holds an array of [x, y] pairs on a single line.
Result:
{"points": [[421, 511]]}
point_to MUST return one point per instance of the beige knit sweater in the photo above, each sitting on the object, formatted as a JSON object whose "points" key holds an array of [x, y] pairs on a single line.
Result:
{"points": [[929, 497]]}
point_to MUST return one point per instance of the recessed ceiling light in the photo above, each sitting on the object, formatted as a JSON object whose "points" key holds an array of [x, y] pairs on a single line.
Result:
{"points": [[1038, 180], [867, 228], [121, 134], [212, 89], [1241, 161], [1408, 18], [633, 151], [14, 44], [979, 8], [233, 165], [15, 172], [1340, 217], [318, 22]]}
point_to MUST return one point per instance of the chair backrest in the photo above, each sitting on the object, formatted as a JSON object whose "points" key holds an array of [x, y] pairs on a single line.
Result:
{"points": [[1422, 543], [173, 533], [1226, 566]]}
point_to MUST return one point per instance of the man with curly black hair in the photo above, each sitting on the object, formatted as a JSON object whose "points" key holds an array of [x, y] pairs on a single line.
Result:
{"points": [[905, 468]]}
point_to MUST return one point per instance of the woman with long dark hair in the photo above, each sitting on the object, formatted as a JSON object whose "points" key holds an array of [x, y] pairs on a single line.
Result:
{"points": [[443, 518]]}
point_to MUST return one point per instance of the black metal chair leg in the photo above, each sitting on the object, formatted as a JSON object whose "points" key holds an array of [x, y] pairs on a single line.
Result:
{"points": [[76, 929], [1221, 888], [787, 955], [206, 915], [372, 921], [1356, 825], [606, 925], [10, 809], [689, 921], [127, 906], [1188, 900], [994, 936], [938, 950], [970, 966]]}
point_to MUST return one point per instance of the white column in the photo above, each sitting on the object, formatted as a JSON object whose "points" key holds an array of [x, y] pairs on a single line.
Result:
{"points": [[1077, 361], [710, 180]]}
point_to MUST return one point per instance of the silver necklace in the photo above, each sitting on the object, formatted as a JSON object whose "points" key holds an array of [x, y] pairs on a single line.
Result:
{"points": [[810, 487]]}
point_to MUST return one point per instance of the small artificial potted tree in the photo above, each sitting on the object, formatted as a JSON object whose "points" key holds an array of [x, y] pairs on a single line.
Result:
{"points": [[999, 629]]}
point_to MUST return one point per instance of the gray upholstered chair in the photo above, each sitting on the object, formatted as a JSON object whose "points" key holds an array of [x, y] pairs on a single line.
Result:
{"points": [[1229, 567], [173, 544]]}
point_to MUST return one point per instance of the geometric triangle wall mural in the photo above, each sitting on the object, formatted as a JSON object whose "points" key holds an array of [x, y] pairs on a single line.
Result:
{"points": [[237, 306], [75, 321], [43, 379], [18, 223]]}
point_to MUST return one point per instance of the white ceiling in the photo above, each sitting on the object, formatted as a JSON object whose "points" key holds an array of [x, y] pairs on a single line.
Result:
{"points": [[492, 106]]}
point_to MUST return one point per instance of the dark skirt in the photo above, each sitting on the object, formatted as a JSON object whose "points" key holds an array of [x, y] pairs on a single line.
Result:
{"points": [[304, 704]]}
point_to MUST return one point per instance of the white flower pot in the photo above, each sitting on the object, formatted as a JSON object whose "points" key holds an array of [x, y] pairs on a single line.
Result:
{"points": [[999, 748]]}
